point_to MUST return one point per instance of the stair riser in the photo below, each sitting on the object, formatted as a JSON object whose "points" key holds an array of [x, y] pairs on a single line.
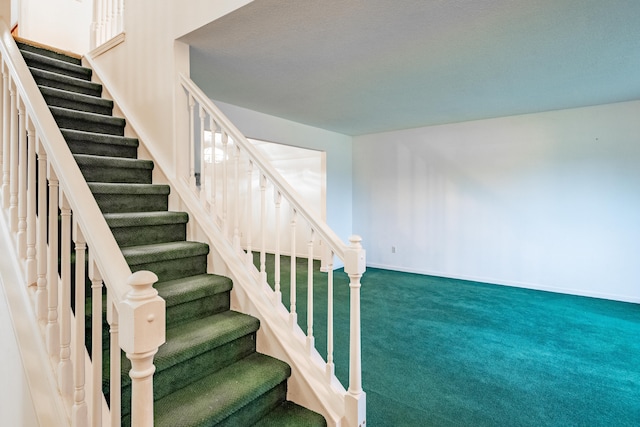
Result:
{"points": [[78, 73], [182, 374], [56, 101], [258, 408], [116, 175], [98, 149], [198, 309], [147, 235], [175, 268], [118, 203], [68, 85], [105, 126]]}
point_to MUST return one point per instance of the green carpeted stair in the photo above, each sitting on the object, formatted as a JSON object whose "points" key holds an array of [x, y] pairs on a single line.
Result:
{"points": [[208, 372]]}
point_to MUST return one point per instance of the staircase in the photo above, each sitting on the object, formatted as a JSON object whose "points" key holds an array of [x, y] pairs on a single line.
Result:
{"points": [[208, 372]]}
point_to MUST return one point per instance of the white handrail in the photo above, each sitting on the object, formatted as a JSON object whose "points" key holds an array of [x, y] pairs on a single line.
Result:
{"points": [[27, 121], [288, 192]]}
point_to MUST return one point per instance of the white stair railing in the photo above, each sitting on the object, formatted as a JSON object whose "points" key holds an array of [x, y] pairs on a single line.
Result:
{"points": [[48, 205], [108, 21], [257, 211]]}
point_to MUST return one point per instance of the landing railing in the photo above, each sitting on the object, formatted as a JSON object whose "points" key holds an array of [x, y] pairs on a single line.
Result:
{"points": [[107, 22], [54, 222], [260, 213]]}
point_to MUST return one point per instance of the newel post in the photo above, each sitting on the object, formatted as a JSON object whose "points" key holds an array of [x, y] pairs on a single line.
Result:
{"points": [[142, 331], [355, 400]]}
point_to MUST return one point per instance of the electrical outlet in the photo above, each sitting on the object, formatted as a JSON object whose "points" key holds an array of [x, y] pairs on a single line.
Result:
{"points": [[393, 249]]}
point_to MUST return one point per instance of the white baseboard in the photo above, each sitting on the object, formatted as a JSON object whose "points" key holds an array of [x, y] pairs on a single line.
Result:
{"points": [[515, 284]]}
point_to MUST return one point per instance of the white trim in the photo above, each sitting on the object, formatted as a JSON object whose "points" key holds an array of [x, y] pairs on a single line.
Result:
{"points": [[108, 45], [47, 401], [513, 284]]}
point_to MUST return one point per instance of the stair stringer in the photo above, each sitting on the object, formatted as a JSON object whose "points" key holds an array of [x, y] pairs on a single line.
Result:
{"points": [[309, 384]]}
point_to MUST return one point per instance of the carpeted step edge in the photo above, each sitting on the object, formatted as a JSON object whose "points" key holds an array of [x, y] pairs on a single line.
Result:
{"points": [[289, 414], [99, 138], [79, 85], [26, 45], [89, 160], [44, 62], [88, 101], [184, 290], [228, 390], [86, 116], [136, 255], [128, 189], [190, 339], [143, 219]]}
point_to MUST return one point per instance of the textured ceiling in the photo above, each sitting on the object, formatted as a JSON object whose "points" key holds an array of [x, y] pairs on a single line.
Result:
{"points": [[365, 66]]}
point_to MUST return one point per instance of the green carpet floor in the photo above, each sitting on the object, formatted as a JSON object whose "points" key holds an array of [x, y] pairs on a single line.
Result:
{"points": [[445, 352]]}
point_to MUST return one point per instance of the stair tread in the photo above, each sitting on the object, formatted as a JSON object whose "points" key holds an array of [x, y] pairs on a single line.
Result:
{"points": [[118, 188], [36, 60], [100, 138], [112, 162], [198, 336], [36, 72], [290, 414], [30, 46], [84, 115], [227, 390], [179, 291], [163, 251], [137, 219], [75, 96]]}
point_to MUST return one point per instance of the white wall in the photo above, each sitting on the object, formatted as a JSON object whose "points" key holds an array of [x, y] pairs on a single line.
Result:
{"points": [[336, 146], [63, 24], [150, 48], [548, 201]]}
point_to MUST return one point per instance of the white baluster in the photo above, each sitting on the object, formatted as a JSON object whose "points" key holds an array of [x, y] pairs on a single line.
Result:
{"points": [[115, 386], [79, 414], [13, 168], [142, 315], [31, 205], [236, 213], [249, 227], [203, 187], [330, 370], [192, 144], [263, 228], [95, 25], [53, 331], [310, 338], [3, 123], [22, 180], [212, 173], [107, 20], [114, 17], [65, 370], [293, 315], [96, 342], [41, 292], [6, 137], [355, 400], [120, 16], [104, 36], [225, 145], [278, 293]]}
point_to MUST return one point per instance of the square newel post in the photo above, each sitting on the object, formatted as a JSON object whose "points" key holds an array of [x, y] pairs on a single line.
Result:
{"points": [[355, 400], [142, 330]]}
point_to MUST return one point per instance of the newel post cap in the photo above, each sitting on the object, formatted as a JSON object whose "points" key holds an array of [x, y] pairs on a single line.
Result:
{"points": [[142, 315], [355, 257]]}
